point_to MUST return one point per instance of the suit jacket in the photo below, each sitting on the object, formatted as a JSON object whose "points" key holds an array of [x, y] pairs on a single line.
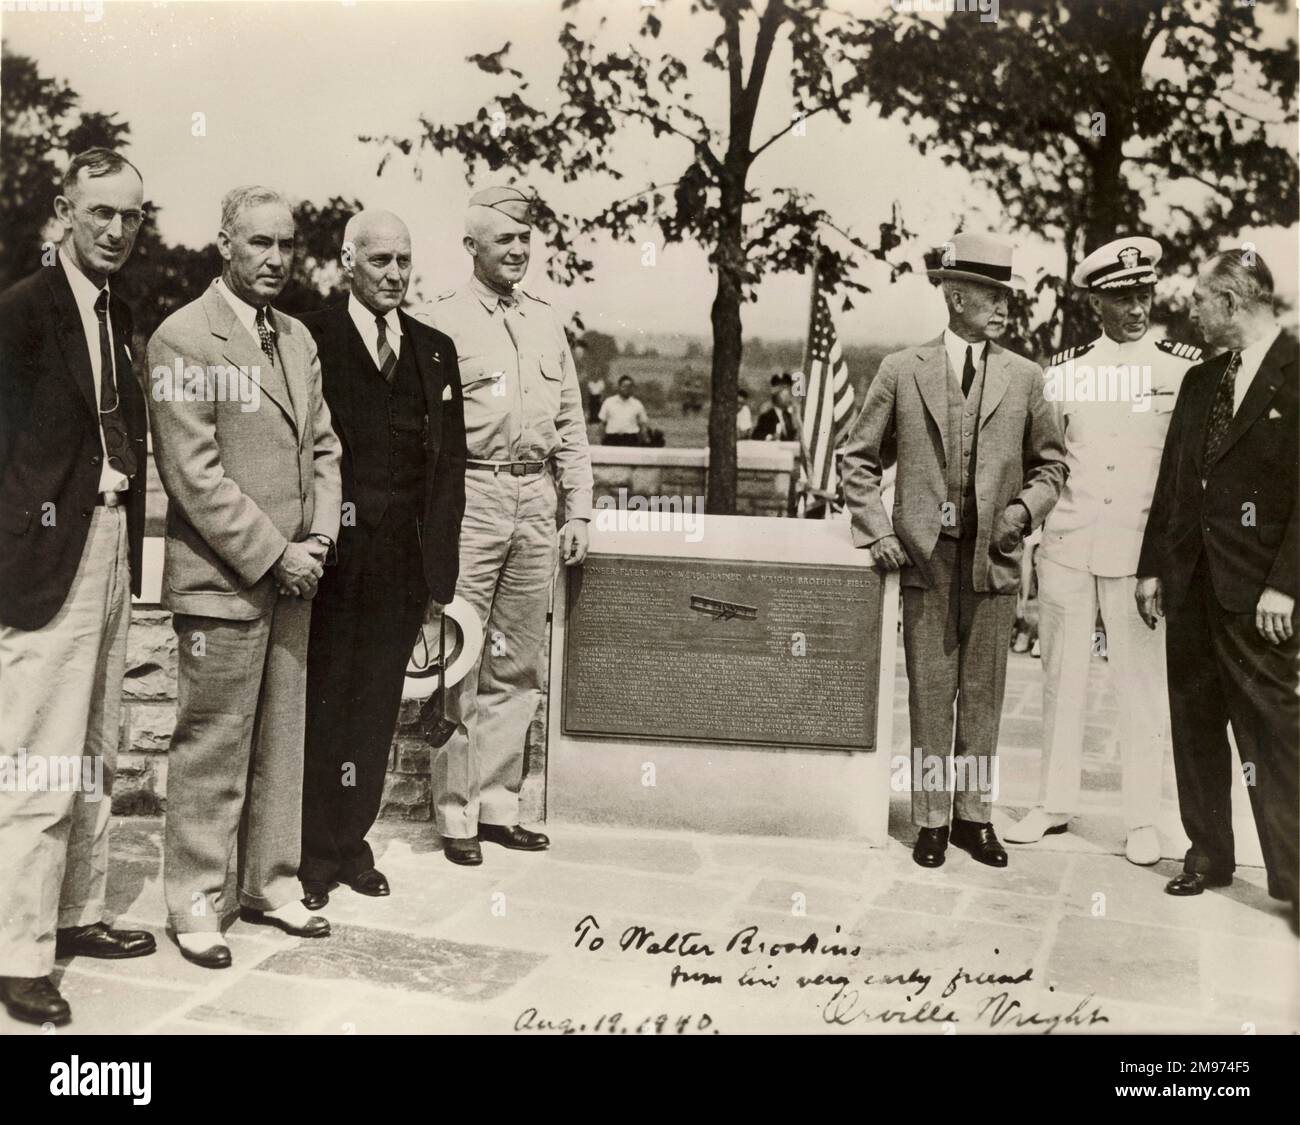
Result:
{"points": [[771, 425], [1020, 455], [242, 483], [1258, 464], [344, 362], [50, 447]]}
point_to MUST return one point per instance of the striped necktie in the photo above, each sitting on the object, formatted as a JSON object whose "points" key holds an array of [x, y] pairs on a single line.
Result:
{"points": [[387, 358], [117, 442]]}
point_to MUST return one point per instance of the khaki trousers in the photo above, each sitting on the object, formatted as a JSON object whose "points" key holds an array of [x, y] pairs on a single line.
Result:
{"points": [[60, 703]]}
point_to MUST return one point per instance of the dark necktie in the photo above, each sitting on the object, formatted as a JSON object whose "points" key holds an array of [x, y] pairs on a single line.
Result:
{"points": [[968, 373], [117, 442], [387, 360], [266, 334], [1221, 412]]}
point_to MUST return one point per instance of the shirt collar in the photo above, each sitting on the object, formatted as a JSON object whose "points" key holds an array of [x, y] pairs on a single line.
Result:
{"points": [[1253, 355], [84, 291], [364, 319], [244, 312], [491, 299], [956, 348]]}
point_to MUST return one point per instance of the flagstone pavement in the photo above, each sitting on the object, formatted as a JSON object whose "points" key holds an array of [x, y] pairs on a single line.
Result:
{"points": [[1070, 937]]}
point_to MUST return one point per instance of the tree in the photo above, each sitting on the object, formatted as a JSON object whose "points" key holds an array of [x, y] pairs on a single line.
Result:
{"points": [[607, 97], [1091, 119]]}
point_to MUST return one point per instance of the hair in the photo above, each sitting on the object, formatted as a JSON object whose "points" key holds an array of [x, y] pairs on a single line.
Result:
{"points": [[625, 379], [1243, 274], [240, 198], [741, 392], [95, 162]]}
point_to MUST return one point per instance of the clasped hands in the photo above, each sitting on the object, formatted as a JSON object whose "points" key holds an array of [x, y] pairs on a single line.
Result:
{"points": [[298, 570]]}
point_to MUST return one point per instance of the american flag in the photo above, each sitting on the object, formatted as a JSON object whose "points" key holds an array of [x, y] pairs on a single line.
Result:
{"points": [[829, 398]]}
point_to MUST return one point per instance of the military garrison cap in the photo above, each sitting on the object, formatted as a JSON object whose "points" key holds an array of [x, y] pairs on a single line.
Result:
{"points": [[508, 200]]}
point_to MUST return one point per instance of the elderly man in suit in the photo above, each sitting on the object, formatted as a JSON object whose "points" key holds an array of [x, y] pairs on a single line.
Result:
{"points": [[980, 461], [72, 459], [394, 398], [1221, 562], [253, 483]]}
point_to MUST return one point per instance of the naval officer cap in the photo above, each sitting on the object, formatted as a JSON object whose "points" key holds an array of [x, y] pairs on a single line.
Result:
{"points": [[1124, 263], [508, 200]]}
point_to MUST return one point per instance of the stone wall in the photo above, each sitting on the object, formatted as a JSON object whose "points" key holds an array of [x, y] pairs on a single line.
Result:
{"points": [[149, 690]]}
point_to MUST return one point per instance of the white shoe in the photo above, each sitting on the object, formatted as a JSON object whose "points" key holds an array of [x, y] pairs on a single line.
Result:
{"points": [[1143, 846], [292, 914], [200, 942], [1034, 825]]}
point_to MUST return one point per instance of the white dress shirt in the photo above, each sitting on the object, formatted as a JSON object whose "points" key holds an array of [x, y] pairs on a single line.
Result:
{"points": [[85, 292], [1251, 358], [365, 321], [244, 312], [956, 348]]}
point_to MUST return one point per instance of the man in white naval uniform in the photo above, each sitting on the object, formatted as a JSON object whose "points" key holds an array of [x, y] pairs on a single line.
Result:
{"points": [[1114, 396]]}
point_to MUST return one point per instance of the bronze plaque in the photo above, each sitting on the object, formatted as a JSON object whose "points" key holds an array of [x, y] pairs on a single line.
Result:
{"points": [[701, 650]]}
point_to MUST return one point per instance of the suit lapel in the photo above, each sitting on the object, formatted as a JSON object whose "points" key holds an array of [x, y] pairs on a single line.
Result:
{"points": [[425, 365], [931, 377], [1263, 387], [293, 360], [996, 377], [71, 336], [239, 349]]}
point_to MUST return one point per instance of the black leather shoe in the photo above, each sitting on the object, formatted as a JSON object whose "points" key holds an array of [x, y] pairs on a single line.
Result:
{"points": [[466, 852], [99, 941], [313, 927], [1187, 883], [315, 896], [980, 841], [514, 836], [370, 883], [214, 957], [34, 1000], [930, 846]]}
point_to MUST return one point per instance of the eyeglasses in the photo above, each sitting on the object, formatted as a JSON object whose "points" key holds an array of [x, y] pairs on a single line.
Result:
{"points": [[103, 218]]}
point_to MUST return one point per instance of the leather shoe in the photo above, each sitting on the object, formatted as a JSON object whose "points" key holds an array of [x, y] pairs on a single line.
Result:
{"points": [[464, 851], [34, 1000], [980, 841], [315, 926], [1187, 883], [370, 883], [513, 836], [213, 957], [315, 896], [930, 846], [98, 940]]}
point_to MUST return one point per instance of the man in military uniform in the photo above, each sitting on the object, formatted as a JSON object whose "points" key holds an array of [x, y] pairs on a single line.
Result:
{"points": [[527, 451], [1115, 396]]}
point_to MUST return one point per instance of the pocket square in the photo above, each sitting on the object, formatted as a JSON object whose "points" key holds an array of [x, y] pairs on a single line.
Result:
{"points": [[446, 393], [1273, 413]]}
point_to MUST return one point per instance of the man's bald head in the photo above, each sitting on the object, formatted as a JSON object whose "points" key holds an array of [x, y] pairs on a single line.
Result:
{"points": [[377, 259]]}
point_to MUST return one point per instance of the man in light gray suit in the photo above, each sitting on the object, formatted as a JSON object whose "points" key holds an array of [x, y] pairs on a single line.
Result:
{"points": [[250, 462], [980, 463]]}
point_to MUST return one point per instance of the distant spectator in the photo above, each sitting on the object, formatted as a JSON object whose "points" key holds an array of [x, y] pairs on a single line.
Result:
{"points": [[595, 381], [744, 417], [780, 422], [623, 417]]}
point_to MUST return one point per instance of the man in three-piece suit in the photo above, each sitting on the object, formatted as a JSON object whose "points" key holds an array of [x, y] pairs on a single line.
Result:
{"points": [[1221, 561], [253, 483], [72, 488], [980, 461], [394, 398]]}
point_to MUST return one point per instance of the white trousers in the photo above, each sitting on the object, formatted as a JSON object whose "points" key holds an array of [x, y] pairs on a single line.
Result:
{"points": [[1068, 601]]}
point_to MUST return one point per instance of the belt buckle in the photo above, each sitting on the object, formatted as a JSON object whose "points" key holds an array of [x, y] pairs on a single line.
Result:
{"points": [[518, 469]]}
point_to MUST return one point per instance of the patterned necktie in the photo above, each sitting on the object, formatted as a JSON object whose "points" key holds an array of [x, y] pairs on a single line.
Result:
{"points": [[387, 360], [117, 442], [968, 373], [266, 334], [1221, 412]]}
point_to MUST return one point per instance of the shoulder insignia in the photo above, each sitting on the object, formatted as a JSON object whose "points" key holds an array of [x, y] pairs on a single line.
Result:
{"points": [[1189, 352], [445, 296], [1070, 353], [525, 293]]}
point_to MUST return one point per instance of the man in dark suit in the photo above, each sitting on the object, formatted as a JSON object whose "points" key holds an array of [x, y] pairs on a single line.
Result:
{"points": [[1221, 560], [72, 489], [394, 395]]}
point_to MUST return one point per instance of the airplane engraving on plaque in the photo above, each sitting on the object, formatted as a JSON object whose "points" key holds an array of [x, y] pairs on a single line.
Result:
{"points": [[722, 611]]}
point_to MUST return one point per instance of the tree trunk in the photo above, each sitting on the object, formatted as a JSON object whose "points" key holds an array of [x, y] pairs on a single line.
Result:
{"points": [[727, 346]]}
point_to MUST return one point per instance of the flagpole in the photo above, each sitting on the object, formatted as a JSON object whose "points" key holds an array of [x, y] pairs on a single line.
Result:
{"points": [[807, 355]]}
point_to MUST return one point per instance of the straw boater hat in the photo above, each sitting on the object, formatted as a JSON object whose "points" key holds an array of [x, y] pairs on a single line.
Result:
{"points": [[1124, 263], [978, 257], [464, 646]]}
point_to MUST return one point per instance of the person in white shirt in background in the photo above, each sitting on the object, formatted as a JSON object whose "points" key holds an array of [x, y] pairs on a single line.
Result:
{"points": [[744, 416], [623, 417], [1115, 396]]}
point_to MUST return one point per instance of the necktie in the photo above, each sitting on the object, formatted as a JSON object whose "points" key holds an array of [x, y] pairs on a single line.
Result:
{"points": [[266, 334], [1221, 412], [117, 442], [387, 360], [968, 373]]}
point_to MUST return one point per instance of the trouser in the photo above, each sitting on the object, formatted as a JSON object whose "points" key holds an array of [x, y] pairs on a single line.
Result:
{"points": [[60, 703], [1221, 670], [1068, 600], [234, 773], [508, 553], [955, 646], [365, 619], [621, 439]]}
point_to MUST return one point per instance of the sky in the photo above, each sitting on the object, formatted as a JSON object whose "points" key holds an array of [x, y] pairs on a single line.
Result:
{"points": [[285, 88]]}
